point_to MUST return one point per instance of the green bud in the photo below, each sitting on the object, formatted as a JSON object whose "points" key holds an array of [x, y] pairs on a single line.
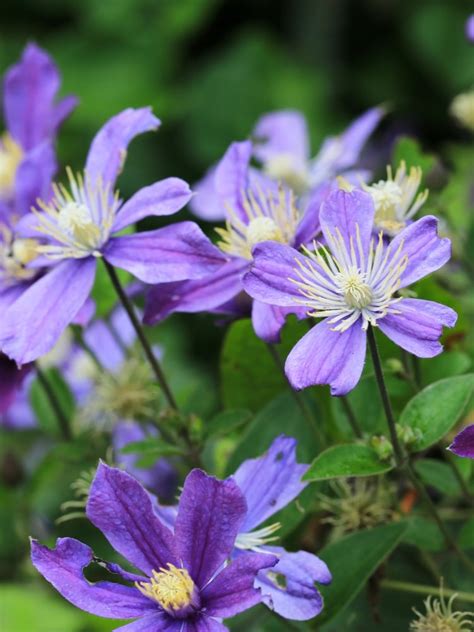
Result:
{"points": [[382, 447]]}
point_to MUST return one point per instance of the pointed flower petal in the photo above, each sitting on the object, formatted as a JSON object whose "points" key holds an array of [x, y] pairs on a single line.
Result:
{"points": [[282, 133], [463, 444]]}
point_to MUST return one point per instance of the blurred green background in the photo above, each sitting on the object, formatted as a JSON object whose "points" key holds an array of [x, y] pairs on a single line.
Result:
{"points": [[210, 68]]}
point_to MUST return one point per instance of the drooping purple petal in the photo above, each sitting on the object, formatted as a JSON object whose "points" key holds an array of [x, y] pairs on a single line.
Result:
{"points": [[165, 197], [108, 150], [34, 176], [120, 507], [35, 321], [426, 251], [30, 89], [417, 326], [463, 444], [63, 568], [348, 213], [231, 176], [270, 482], [198, 295], [324, 356], [206, 203], [173, 253], [289, 588], [209, 517], [157, 621], [11, 379], [282, 133], [268, 320], [232, 591], [269, 277]]}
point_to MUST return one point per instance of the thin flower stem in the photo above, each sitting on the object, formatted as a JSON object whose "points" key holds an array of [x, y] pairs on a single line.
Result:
{"points": [[421, 589], [403, 463], [62, 420], [351, 418], [416, 371], [299, 399], [155, 365], [459, 477]]}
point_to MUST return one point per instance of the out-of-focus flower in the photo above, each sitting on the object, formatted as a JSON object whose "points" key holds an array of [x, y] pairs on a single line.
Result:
{"points": [[186, 581], [462, 108], [441, 617], [396, 200], [78, 227], [15, 412], [470, 28], [351, 283], [463, 443]]}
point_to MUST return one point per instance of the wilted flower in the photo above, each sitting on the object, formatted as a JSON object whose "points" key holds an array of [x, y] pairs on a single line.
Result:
{"points": [[78, 227], [352, 282], [440, 617], [463, 444], [187, 581], [462, 108]]}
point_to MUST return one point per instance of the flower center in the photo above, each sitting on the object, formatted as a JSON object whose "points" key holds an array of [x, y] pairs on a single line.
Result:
{"points": [[285, 168], [356, 291], [386, 195], [173, 589], [79, 218], [263, 217], [11, 155], [15, 255]]}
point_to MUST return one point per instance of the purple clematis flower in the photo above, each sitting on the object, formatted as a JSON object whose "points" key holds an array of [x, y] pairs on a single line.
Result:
{"points": [[470, 28], [257, 210], [463, 444], [351, 283], [186, 583], [78, 227]]}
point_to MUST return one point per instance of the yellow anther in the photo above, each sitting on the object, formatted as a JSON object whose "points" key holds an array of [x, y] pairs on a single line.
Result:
{"points": [[172, 588], [11, 154]]}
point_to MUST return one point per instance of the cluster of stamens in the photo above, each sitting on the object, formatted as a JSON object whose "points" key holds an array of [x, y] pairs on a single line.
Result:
{"points": [[253, 540], [268, 217], [344, 284], [15, 255], [11, 154], [78, 219], [172, 588]]}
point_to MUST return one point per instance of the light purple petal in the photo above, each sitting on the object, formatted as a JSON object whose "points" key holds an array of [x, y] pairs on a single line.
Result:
{"points": [[418, 325], [36, 320], [210, 514], [324, 356], [268, 320], [283, 132], [199, 295], [269, 277], [103, 343], [204, 624], [34, 176], [310, 225], [206, 203], [155, 622], [463, 444], [63, 568], [231, 176], [356, 135], [470, 28], [270, 482], [63, 109], [426, 251], [30, 89], [108, 150], [232, 591], [289, 588], [10, 294], [165, 197], [85, 314], [173, 253], [120, 507], [348, 213]]}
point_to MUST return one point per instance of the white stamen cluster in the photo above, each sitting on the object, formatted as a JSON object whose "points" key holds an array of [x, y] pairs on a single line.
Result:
{"points": [[253, 540], [345, 284], [15, 255], [394, 198], [269, 217], [78, 219]]}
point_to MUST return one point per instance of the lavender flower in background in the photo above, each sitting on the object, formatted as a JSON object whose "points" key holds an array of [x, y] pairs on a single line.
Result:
{"points": [[470, 28], [350, 283], [185, 583], [15, 411], [463, 443], [78, 227]]}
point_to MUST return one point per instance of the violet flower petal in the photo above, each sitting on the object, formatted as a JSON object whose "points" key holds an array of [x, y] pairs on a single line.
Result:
{"points": [[165, 197], [210, 514], [426, 251], [463, 443], [356, 135], [232, 591], [197, 295], [173, 253], [418, 325], [231, 176], [158, 621], [270, 481], [35, 321], [63, 568], [108, 150], [283, 132], [205, 624], [120, 507], [33, 177], [324, 356], [206, 203], [296, 596], [11, 379], [268, 320]]}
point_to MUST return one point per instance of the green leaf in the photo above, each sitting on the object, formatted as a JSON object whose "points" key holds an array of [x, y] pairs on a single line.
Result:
{"points": [[424, 534], [227, 421], [250, 376], [439, 475], [409, 150], [152, 446], [40, 402], [466, 535], [437, 408], [351, 459], [352, 560]]}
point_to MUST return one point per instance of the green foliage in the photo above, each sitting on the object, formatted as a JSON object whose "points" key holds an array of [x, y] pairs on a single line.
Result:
{"points": [[409, 150], [343, 461], [41, 405]]}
